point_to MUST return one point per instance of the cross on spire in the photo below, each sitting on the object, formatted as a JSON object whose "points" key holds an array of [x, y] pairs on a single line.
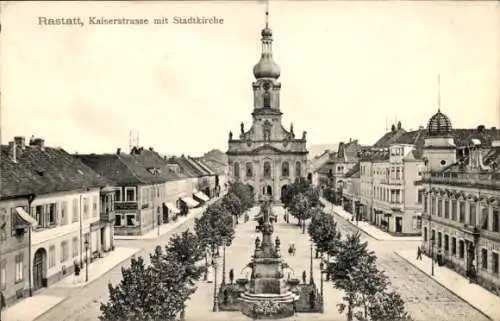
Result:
{"points": [[439, 92], [267, 13]]}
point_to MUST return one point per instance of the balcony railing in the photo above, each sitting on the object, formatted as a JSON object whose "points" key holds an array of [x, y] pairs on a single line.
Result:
{"points": [[489, 179], [125, 206]]}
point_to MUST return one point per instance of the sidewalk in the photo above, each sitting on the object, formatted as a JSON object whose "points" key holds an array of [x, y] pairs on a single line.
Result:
{"points": [[98, 267], [366, 227], [32, 307], [165, 228], [476, 296]]}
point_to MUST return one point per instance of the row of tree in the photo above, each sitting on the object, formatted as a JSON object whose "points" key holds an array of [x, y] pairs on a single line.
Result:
{"points": [[352, 268], [160, 289]]}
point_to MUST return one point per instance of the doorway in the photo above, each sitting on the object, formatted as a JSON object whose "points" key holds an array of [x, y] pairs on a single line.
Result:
{"points": [[269, 190], [39, 269], [399, 225]]}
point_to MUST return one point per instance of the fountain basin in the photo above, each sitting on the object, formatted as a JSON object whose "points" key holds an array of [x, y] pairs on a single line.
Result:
{"points": [[282, 305]]}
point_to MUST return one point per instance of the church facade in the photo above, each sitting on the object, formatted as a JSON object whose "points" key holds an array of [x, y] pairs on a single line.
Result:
{"points": [[267, 156]]}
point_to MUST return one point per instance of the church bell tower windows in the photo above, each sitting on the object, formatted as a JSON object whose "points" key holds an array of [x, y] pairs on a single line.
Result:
{"points": [[266, 96], [249, 170], [298, 169], [285, 169]]}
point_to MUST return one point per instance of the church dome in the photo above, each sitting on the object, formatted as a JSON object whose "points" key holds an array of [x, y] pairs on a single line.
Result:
{"points": [[266, 68], [439, 124], [266, 32]]}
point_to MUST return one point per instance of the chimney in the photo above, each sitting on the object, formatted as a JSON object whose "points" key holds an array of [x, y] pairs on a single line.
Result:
{"points": [[12, 151], [20, 142], [38, 142], [118, 150], [151, 149]]}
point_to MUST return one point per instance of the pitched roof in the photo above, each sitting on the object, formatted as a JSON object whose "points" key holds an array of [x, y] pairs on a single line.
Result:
{"points": [[186, 167], [216, 166], [44, 170], [111, 167], [389, 138], [353, 171], [201, 161]]}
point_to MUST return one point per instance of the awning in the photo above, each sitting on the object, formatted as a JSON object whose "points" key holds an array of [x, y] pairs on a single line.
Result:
{"points": [[189, 201], [26, 217], [202, 196], [171, 207]]}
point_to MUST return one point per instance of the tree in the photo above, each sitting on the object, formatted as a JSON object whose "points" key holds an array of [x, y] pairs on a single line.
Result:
{"points": [[186, 249], [244, 193], [387, 305], [322, 229], [232, 204], [146, 295], [355, 272], [301, 209], [299, 186]]}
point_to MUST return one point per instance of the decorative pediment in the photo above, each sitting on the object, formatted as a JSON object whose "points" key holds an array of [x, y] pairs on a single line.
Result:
{"points": [[266, 149]]}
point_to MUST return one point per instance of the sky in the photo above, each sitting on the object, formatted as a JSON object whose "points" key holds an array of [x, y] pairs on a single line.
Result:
{"points": [[348, 70]]}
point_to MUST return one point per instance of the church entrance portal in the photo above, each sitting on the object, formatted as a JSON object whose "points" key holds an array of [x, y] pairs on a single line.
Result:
{"points": [[267, 190]]}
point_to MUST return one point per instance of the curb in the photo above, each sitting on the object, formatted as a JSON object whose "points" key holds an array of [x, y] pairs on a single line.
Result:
{"points": [[80, 288], [444, 286]]}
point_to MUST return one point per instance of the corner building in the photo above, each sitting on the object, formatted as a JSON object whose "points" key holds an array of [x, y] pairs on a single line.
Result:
{"points": [[267, 156]]}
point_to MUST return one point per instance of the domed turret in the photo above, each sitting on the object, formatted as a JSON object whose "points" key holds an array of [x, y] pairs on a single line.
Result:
{"points": [[266, 67], [439, 125]]}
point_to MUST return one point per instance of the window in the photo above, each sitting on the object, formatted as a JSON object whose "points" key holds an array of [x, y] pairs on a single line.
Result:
{"points": [[484, 217], [39, 215], [443, 162], [118, 194], [298, 169], [249, 170], [52, 214], [462, 212], [440, 207], [267, 169], [446, 243], [398, 173], [433, 235], [19, 268], [3, 282], [420, 196], [131, 220], [118, 220], [237, 171], [426, 210], [472, 213], [285, 169], [75, 211], [94, 206], [52, 256], [130, 194], [267, 100], [484, 259], [85, 208], [454, 246], [461, 249], [446, 209], [454, 210], [494, 262], [495, 226], [425, 234], [440, 241], [433, 205], [65, 251], [75, 247], [64, 213]]}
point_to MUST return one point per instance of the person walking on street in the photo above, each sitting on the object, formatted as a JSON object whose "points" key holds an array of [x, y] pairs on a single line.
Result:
{"points": [[419, 253], [77, 274]]}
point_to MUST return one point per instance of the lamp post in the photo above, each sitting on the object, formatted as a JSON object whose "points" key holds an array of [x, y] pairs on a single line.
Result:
{"points": [[216, 299], [322, 270], [224, 262], [86, 260], [311, 280], [432, 254]]}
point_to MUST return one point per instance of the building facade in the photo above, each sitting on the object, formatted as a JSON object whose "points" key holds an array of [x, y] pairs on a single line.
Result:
{"points": [[56, 211], [267, 156], [462, 200]]}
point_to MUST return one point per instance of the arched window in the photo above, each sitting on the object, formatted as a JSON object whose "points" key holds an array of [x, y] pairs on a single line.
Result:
{"points": [[237, 171], [267, 169], [249, 170], [267, 134], [298, 169], [285, 169], [267, 100]]}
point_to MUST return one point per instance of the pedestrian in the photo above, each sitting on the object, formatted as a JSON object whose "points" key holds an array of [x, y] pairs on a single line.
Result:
{"points": [[472, 274], [293, 249], [419, 253], [77, 274], [290, 250]]}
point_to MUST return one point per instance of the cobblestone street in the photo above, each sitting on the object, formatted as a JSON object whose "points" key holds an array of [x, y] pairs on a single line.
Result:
{"points": [[426, 299]]}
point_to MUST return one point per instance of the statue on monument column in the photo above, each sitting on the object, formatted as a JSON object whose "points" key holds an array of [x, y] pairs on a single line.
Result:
{"points": [[242, 128], [230, 135], [304, 133]]}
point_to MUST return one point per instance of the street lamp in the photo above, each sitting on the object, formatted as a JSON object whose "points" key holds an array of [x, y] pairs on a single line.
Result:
{"points": [[322, 270], [224, 262], [216, 299], [311, 281], [86, 260], [432, 254]]}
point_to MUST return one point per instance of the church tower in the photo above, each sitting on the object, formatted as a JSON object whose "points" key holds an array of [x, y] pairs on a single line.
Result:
{"points": [[267, 156]]}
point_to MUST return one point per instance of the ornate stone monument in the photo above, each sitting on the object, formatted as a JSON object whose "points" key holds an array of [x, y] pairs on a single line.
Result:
{"points": [[268, 294]]}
